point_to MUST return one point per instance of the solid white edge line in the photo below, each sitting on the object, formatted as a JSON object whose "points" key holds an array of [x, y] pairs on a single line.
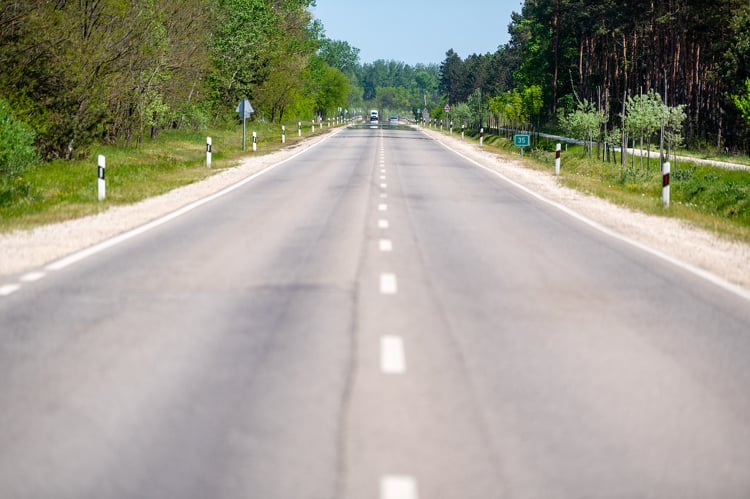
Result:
{"points": [[32, 276], [398, 487], [713, 278], [108, 243]]}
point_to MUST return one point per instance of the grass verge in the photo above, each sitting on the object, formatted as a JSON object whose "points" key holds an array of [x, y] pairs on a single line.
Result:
{"points": [[709, 197], [62, 190]]}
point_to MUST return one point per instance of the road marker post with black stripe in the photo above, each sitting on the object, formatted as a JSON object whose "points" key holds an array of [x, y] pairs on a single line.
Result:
{"points": [[283, 134], [558, 148], [208, 151], [102, 182]]}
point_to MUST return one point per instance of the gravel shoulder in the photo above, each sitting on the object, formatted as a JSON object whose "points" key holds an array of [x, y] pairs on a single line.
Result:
{"points": [[23, 251], [728, 260]]}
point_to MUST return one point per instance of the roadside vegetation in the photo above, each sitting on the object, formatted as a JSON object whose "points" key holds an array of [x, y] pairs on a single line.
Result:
{"points": [[65, 189], [712, 198], [145, 81]]}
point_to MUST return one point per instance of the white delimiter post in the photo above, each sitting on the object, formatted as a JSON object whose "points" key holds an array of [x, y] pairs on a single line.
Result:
{"points": [[283, 134], [102, 184], [255, 141], [558, 147], [665, 185], [299, 129], [481, 136], [313, 126], [208, 152]]}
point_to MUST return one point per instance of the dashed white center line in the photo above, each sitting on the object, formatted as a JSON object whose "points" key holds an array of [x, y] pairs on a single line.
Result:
{"points": [[382, 207], [383, 223], [32, 276], [383, 195], [9, 289], [385, 245], [388, 284], [398, 487], [383, 186], [392, 358]]}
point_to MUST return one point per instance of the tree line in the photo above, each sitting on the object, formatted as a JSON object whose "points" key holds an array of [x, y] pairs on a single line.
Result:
{"points": [[604, 52], [75, 72]]}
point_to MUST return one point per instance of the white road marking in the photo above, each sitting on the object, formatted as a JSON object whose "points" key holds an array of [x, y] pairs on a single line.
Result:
{"points": [[392, 357], [9, 289], [32, 276], [108, 243], [383, 207], [388, 284], [383, 195], [383, 224], [385, 245], [383, 186], [398, 487], [704, 274]]}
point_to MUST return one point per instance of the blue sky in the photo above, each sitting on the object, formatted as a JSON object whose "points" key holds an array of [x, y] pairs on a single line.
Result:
{"points": [[414, 31]]}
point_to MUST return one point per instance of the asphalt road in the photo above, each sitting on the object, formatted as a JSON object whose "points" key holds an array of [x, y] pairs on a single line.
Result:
{"points": [[378, 319]]}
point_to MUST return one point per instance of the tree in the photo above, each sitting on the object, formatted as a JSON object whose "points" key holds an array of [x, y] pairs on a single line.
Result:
{"points": [[645, 115], [582, 123], [532, 104], [17, 153], [743, 102], [452, 75], [340, 55]]}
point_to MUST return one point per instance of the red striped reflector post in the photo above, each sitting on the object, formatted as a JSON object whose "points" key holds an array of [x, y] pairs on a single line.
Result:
{"points": [[665, 185]]}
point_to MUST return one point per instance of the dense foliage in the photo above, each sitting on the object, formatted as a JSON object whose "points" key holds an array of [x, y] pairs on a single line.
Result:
{"points": [[118, 70], [77, 72], [604, 52]]}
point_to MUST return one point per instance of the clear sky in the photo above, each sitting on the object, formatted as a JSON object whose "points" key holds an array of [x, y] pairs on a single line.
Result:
{"points": [[417, 31]]}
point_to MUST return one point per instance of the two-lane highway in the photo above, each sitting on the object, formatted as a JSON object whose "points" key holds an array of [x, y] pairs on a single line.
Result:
{"points": [[376, 318]]}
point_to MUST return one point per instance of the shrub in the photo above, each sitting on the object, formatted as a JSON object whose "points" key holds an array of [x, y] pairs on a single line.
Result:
{"points": [[17, 153]]}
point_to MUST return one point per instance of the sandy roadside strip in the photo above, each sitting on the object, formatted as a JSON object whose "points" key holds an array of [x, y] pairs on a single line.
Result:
{"points": [[680, 240], [23, 251]]}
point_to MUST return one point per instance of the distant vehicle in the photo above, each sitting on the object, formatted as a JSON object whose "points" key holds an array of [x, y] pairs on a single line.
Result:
{"points": [[393, 119], [374, 116]]}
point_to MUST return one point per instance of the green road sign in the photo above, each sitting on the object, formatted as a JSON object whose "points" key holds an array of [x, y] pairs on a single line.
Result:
{"points": [[521, 140]]}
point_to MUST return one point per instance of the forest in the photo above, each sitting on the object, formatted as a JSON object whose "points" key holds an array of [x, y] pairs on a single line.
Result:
{"points": [[602, 54]]}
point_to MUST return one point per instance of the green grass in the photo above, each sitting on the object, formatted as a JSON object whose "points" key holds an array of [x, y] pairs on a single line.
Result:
{"points": [[61, 190], [709, 197]]}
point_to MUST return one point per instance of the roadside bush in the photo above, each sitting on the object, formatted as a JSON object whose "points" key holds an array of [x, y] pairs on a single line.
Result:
{"points": [[17, 153], [17, 156]]}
